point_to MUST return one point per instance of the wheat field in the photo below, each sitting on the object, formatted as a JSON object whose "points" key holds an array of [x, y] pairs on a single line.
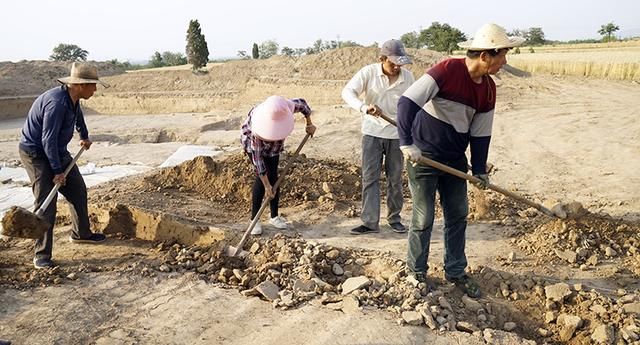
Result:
{"points": [[617, 60]]}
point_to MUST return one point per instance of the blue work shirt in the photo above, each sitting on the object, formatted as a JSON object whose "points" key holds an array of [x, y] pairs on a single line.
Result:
{"points": [[49, 126]]}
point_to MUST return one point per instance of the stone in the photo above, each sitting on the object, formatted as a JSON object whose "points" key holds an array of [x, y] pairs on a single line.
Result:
{"points": [[268, 289], [471, 304], [557, 292], [413, 318], [350, 305], [337, 270], [355, 283], [567, 255], [632, 308], [603, 334], [509, 326]]}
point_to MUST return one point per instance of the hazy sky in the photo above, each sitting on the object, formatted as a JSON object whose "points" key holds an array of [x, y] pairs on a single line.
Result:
{"points": [[133, 30]]}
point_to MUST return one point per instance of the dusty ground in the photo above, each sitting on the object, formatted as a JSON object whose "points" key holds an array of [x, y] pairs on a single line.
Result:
{"points": [[554, 139]]}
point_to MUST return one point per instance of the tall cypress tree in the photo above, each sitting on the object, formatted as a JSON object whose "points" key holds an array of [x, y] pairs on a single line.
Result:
{"points": [[255, 52], [197, 51]]}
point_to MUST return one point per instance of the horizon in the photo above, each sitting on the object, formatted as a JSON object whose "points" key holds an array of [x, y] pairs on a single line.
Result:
{"points": [[142, 28]]}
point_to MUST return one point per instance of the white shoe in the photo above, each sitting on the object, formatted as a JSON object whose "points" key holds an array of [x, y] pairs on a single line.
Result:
{"points": [[278, 222], [257, 229]]}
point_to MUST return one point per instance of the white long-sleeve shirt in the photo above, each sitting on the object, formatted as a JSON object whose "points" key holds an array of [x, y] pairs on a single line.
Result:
{"points": [[374, 84]]}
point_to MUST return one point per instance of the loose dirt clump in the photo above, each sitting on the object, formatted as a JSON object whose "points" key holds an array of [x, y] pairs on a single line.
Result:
{"points": [[229, 181]]}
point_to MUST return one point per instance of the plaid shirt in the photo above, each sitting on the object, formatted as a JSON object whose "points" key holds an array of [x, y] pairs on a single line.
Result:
{"points": [[257, 148]]}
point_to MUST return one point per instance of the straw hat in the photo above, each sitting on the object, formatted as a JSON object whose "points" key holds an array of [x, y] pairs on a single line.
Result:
{"points": [[273, 119], [491, 36], [82, 73]]}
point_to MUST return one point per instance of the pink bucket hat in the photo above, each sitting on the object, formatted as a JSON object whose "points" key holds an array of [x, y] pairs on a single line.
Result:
{"points": [[273, 119]]}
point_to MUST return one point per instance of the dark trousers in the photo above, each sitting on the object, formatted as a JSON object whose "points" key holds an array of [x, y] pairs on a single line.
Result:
{"points": [[75, 191], [424, 181], [271, 164]]}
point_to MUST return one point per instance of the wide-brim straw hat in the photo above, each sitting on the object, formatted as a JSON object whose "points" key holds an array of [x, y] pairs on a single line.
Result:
{"points": [[82, 73], [491, 36], [273, 119]]}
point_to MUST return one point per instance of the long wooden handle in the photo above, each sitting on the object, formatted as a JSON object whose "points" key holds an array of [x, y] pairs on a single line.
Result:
{"points": [[40, 210], [430, 162], [266, 201], [388, 119]]}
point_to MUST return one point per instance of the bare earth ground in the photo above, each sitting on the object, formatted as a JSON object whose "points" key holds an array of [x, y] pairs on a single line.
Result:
{"points": [[554, 139]]}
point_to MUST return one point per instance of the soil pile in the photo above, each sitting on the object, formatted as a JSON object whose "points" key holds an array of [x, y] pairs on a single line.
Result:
{"points": [[34, 77]]}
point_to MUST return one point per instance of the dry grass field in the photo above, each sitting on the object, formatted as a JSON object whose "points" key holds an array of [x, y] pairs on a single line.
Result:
{"points": [[615, 61]]}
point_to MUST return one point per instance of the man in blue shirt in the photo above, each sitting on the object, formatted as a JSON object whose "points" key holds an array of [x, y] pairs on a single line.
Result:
{"points": [[43, 151]]}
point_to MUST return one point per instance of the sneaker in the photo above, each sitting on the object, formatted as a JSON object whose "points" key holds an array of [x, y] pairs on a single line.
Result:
{"points": [[42, 263], [93, 238], [467, 285], [363, 230], [278, 222], [257, 229], [398, 228], [416, 278]]}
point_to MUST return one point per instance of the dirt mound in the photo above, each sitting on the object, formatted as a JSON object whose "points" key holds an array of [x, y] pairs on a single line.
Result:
{"points": [[34, 77]]}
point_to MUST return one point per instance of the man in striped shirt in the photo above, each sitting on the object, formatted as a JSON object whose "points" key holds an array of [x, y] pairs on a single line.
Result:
{"points": [[448, 109]]}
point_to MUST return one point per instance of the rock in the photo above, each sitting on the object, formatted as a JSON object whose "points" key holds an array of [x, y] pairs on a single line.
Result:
{"points": [[466, 327], [571, 323], [355, 283], [337, 270], [632, 308], [333, 254], [471, 304], [497, 337], [286, 298], [610, 252], [428, 318], [268, 289], [304, 285], [549, 317], [592, 260], [413, 318], [567, 255], [603, 334], [557, 292], [598, 309], [509, 326], [254, 247], [326, 188], [444, 303], [350, 305]]}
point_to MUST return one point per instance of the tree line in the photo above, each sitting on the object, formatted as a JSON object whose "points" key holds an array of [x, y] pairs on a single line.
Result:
{"points": [[440, 37]]}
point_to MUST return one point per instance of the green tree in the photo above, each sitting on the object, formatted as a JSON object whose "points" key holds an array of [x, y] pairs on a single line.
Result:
{"points": [[268, 49], [607, 31], [349, 43], [174, 59], [410, 40], [68, 52], [535, 37], [255, 51], [196, 50], [441, 37], [288, 51], [156, 60]]}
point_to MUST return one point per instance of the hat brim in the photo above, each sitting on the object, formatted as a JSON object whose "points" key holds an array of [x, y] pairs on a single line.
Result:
{"points": [[510, 43], [400, 60], [74, 80]]}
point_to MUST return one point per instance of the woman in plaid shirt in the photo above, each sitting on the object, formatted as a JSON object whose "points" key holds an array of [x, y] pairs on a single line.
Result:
{"points": [[263, 134]]}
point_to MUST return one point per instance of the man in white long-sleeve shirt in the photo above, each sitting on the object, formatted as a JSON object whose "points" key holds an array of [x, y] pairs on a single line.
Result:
{"points": [[382, 84]]}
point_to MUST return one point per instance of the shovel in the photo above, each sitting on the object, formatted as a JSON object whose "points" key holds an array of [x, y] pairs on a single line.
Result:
{"points": [[426, 161], [237, 250], [430, 162], [20, 222]]}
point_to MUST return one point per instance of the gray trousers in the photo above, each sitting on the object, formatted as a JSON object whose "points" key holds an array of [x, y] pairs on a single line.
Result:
{"points": [[75, 191], [374, 151]]}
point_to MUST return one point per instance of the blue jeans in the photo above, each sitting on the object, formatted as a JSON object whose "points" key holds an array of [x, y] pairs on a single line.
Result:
{"points": [[374, 151], [424, 181]]}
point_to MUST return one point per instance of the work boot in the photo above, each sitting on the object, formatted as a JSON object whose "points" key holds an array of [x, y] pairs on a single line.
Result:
{"points": [[398, 228], [363, 230], [466, 285], [41, 263], [93, 238], [257, 229], [278, 222]]}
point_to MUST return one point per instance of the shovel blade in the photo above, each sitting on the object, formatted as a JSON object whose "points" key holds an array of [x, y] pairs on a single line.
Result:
{"points": [[20, 222], [235, 252]]}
